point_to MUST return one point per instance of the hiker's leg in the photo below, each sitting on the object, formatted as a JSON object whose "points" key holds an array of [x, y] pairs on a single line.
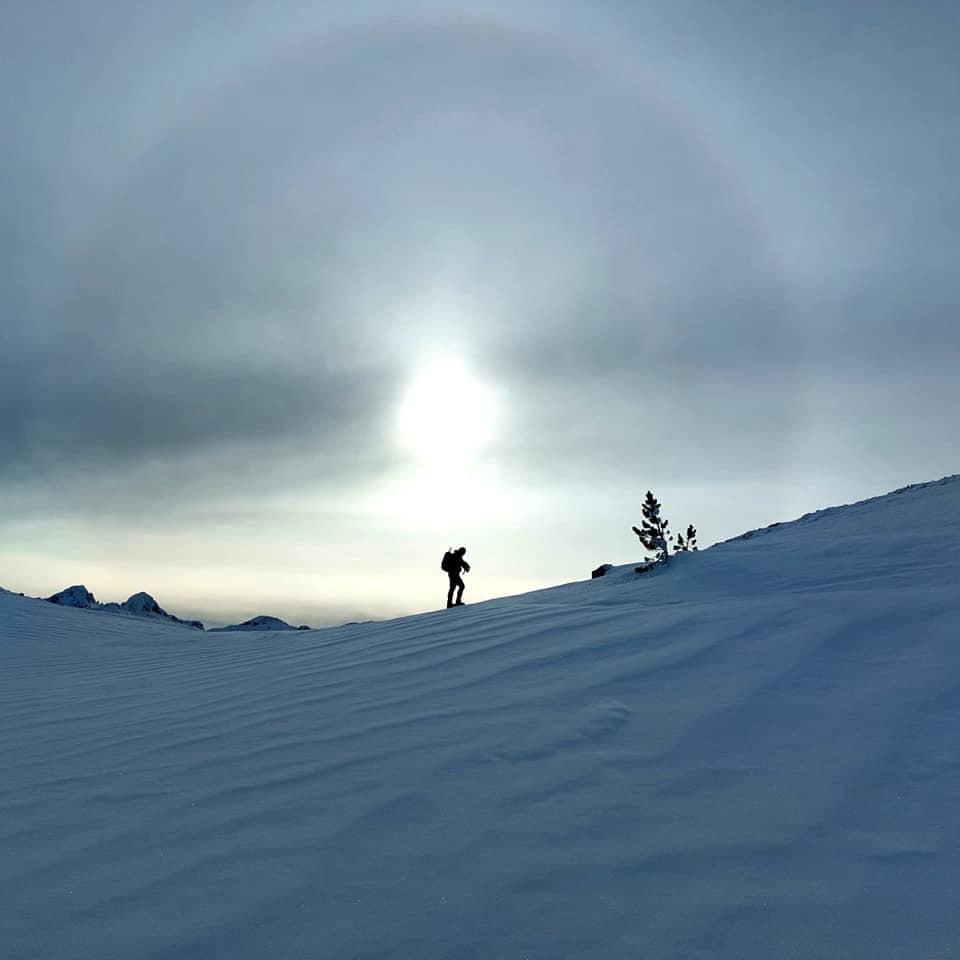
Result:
{"points": [[450, 592], [460, 587]]}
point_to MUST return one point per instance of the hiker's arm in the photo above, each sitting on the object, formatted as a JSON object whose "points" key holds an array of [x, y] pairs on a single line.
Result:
{"points": [[466, 566]]}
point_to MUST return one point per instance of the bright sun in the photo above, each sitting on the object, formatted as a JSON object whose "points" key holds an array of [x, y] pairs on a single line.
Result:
{"points": [[446, 412]]}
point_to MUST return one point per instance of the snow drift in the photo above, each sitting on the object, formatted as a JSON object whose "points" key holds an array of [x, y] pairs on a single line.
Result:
{"points": [[753, 753]]}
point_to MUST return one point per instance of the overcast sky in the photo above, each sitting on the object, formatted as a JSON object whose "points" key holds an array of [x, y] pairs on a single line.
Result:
{"points": [[258, 260]]}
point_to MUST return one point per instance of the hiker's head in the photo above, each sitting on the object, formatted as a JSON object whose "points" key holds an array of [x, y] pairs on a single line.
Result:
{"points": [[461, 550]]}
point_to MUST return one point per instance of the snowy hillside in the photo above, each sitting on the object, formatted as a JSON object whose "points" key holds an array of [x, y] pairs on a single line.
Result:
{"points": [[752, 754]]}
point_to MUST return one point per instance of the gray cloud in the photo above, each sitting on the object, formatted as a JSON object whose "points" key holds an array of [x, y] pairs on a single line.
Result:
{"points": [[161, 410], [281, 220]]}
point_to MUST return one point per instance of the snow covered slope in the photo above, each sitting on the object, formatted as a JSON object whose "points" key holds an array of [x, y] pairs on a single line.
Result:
{"points": [[752, 754]]}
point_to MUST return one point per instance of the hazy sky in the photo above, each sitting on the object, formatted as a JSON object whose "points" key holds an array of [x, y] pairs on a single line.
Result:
{"points": [[295, 295]]}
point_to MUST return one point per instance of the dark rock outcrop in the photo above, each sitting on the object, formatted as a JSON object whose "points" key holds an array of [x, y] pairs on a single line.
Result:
{"points": [[140, 605], [259, 623], [75, 596], [143, 605]]}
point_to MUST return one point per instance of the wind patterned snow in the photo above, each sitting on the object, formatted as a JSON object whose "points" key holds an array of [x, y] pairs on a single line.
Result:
{"points": [[754, 753]]}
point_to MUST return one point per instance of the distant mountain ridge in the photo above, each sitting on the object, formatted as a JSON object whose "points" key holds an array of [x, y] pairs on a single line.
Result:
{"points": [[138, 604], [144, 605], [259, 623]]}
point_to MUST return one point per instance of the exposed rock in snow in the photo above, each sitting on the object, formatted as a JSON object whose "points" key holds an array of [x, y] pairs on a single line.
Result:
{"points": [[143, 605], [140, 605], [601, 571], [260, 623], [75, 596]]}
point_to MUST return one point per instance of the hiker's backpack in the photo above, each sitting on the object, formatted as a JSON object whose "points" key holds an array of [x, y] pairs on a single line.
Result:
{"points": [[448, 561]]}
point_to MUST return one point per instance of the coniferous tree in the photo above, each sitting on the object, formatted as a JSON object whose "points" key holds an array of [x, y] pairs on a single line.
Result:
{"points": [[682, 544], [653, 532]]}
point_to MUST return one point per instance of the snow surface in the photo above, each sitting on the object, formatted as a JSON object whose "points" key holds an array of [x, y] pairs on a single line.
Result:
{"points": [[754, 753]]}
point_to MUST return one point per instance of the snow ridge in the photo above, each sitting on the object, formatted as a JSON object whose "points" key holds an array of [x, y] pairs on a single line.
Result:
{"points": [[870, 503]]}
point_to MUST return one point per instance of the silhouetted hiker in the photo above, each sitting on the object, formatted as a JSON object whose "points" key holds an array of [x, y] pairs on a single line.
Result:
{"points": [[453, 563]]}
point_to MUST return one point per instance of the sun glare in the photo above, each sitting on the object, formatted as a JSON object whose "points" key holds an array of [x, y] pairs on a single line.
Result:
{"points": [[446, 413]]}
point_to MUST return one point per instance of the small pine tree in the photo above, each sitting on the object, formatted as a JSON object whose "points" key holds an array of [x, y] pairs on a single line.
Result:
{"points": [[653, 532], [690, 543]]}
